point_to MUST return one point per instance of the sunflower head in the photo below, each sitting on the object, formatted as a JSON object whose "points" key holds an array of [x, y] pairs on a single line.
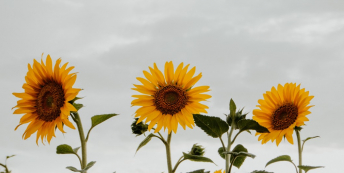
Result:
{"points": [[168, 99], [282, 110], [44, 102], [220, 171]]}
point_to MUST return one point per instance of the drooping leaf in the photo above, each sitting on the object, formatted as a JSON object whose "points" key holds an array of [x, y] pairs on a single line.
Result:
{"points": [[220, 151], [89, 165], [64, 149], [261, 171], [76, 150], [145, 141], [248, 124], [73, 169], [232, 108], [280, 158], [304, 141], [307, 168], [78, 106], [199, 171], [197, 158], [241, 158], [97, 119], [213, 126]]}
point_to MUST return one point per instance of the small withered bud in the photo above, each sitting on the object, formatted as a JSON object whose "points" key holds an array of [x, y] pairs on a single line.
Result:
{"points": [[139, 128], [197, 150]]}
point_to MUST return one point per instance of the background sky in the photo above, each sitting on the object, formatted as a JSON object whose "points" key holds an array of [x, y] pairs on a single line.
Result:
{"points": [[242, 48]]}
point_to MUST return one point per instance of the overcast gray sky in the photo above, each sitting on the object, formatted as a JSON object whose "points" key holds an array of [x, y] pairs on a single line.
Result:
{"points": [[242, 48]]}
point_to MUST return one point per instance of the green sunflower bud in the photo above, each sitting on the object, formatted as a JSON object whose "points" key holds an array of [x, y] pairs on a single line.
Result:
{"points": [[197, 150], [139, 128], [238, 116]]}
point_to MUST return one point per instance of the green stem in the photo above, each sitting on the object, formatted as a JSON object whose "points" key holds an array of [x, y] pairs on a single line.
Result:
{"points": [[176, 166], [168, 153], [229, 146], [230, 168], [82, 139], [299, 147], [5, 166]]}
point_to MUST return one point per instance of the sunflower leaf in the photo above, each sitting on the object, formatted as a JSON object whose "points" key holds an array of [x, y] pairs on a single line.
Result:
{"points": [[307, 168], [248, 124], [89, 165], [220, 151], [213, 126], [240, 156], [280, 158], [304, 141], [76, 149], [232, 108], [97, 119], [73, 169], [261, 171], [196, 158], [64, 149], [199, 171], [145, 141], [78, 106]]}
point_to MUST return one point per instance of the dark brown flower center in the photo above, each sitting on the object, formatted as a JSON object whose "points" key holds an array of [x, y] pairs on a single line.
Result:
{"points": [[170, 100], [284, 116], [50, 100]]}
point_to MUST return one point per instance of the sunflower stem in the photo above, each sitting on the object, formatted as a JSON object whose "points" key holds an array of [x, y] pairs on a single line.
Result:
{"points": [[229, 146], [168, 153], [299, 147], [82, 140]]}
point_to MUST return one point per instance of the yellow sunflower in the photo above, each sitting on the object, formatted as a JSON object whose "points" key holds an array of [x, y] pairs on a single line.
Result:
{"points": [[219, 171], [169, 99], [281, 110], [45, 100]]}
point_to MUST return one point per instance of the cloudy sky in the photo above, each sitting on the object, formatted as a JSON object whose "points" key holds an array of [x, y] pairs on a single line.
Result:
{"points": [[242, 49]]}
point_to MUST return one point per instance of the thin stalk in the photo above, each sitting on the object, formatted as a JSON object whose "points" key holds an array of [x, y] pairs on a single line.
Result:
{"points": [[82, 139], [229, 146], [230, 168], [177, 164], [5, 166], [223, 144], [299, 147], [168, 153]]}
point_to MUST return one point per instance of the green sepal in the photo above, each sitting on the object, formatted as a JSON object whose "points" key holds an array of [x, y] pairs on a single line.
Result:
{"points": [[145, 141], [7, 157], [73, 169], [78, 106], [220, 151], [280, 158], [248, 124], [261, 171], [97, 119], [199, 171], [89, 165], [64, 149], [307, 168], [213, 126], [232, 108], [241, 153], [75, 99], [196, 158], [238, 116]]}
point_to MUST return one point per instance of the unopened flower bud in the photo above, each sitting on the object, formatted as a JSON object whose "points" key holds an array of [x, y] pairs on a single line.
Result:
{"points": [[139, 128], [197, 150]]}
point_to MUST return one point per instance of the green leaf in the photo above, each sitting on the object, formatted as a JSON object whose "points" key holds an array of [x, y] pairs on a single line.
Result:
{"points": [[220, 151], [232, 108], [196, 158], [261, 171], [213, 126], [145, 141], [89, 165], [199, 171], [75, 99], [64, 149], [248, 124], [76, 150], [304, 141], [280, 158], [97, 119], [241, 158], [73, 169], [307, 168], [78, 106]]}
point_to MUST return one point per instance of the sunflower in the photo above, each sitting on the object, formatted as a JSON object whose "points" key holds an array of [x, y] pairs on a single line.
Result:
{"points": [[169, 99], [45, 100], [281, 111], [219, 171]]}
